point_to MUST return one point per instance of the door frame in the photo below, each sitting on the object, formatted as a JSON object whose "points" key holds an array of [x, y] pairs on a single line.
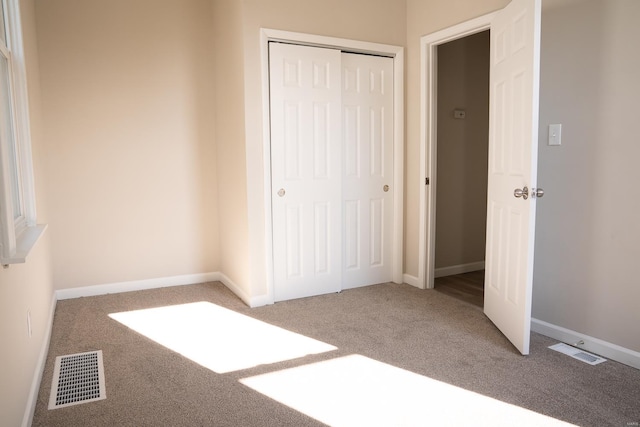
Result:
{"points": [[428, 138], [397, 54]]}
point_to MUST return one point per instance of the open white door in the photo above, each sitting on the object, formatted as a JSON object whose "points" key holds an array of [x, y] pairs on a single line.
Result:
{"points": [[513, 147]]}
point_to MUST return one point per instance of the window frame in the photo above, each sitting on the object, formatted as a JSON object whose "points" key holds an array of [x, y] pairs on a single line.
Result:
{"points": [[17, 234]]}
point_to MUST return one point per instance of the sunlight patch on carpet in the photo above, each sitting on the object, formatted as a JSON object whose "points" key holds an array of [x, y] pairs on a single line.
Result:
{"points": [[219, 339], [356, 390]]}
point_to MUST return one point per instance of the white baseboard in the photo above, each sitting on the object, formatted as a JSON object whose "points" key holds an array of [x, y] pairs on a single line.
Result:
{"points": [[163, 282], [458, 269], [260, 301], [411, 280], [240, 293], [27, 418], [136, 285], [221, 277], [593, 345]]}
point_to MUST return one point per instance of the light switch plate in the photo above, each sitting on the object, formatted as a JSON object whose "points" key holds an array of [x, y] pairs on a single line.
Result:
{"points": [[555, 134]]}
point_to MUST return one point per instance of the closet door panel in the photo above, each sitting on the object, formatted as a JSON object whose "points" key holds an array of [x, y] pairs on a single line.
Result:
{"points": [[367, 99], [305, 85]]}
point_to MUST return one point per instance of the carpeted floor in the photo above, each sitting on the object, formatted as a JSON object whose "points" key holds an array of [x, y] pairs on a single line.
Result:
{"points": [[424, 332]]}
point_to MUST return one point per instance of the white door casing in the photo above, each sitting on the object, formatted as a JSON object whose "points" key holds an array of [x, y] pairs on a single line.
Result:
{"points": [[332, 177], [305, 170], [428, 142], [368, 190], [513, 147]]}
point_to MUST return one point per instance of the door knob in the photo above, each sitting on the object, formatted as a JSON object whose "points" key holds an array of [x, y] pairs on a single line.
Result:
{"points": [[524, 193], [281, 192], [537, 192], [385, 188]]}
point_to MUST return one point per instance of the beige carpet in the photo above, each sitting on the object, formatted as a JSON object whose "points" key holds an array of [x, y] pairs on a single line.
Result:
{"points": [[381, 355]]}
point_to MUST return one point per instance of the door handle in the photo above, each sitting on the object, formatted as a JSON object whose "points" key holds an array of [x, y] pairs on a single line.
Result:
{"points": [[281, 192], [524, 193], [537, 192]]}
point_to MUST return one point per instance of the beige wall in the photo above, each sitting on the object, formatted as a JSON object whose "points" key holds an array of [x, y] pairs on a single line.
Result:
{"points": [[23, 287], [587, 225], [230, 140], [26, 287], [381, 21], [425, 17], [463, 144], [127, 93]]}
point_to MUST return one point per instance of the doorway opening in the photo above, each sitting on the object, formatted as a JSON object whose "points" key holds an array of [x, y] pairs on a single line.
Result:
{"points": [[462, 147], [512, 163]]}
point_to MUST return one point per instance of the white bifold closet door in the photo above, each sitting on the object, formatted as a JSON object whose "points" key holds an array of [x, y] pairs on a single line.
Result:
{"points": [[331, 169]]}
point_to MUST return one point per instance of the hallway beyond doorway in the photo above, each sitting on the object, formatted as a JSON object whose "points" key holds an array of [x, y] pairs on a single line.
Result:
{"points": [[468, 287]]}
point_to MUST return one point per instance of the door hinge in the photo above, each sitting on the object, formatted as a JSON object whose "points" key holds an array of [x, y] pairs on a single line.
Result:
{"points": [[426, 181]]}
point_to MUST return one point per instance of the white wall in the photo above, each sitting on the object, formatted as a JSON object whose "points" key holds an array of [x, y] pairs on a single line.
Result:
{"points": [[127, 93], [462, 152], [587, 229], [26, 287]]}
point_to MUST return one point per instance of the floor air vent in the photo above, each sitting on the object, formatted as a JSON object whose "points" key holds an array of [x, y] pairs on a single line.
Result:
{"points": [[576, 353], [77, 378]]}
